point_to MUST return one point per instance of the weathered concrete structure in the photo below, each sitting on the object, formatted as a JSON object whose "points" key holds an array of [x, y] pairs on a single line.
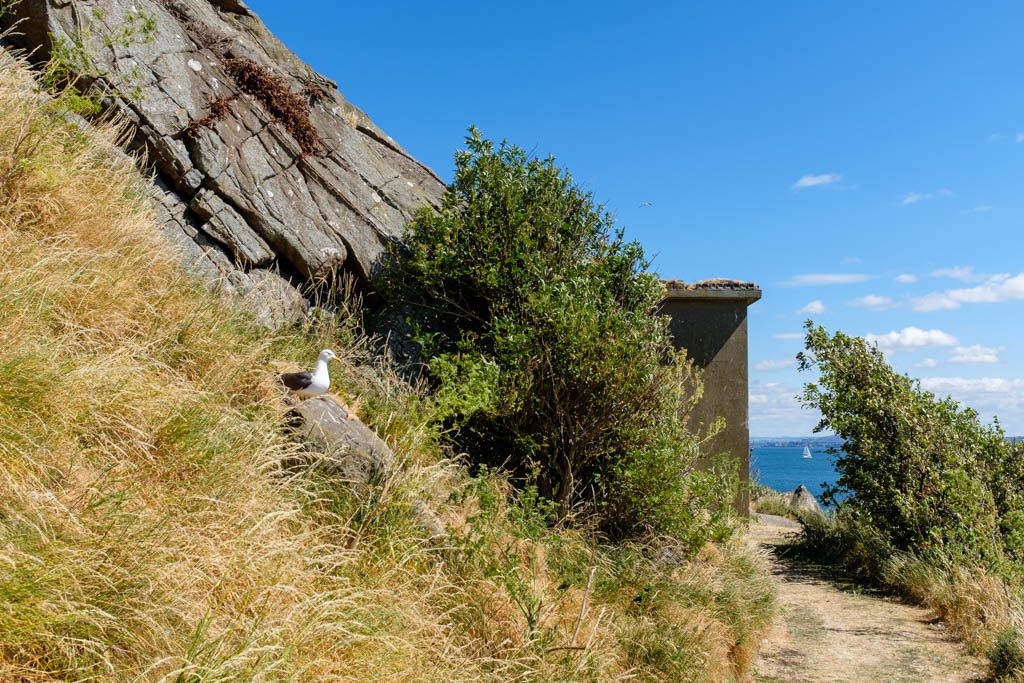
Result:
{"points": [[709, 320]]}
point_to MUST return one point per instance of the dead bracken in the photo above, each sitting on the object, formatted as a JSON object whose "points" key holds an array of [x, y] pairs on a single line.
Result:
{"points": [[219, 108], [288, 108], [314, 92]]}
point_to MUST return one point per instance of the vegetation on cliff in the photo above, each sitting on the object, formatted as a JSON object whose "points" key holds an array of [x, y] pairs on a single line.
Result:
{"points": [[928, 497], [149, 531], [536, 321]]}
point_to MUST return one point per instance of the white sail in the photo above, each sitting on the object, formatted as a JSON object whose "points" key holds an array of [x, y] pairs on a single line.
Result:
{"points": [[807, 452]]}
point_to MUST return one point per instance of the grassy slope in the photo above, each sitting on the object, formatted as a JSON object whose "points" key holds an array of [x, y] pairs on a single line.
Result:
{"points": [[767, 501], [147, 531]]}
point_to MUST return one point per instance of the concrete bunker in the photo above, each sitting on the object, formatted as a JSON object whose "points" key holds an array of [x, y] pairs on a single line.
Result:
{"points": [[709, 320]]}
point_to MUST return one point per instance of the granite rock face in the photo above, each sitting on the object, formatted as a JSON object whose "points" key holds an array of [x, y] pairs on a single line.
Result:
{"points": [[265, 177]]}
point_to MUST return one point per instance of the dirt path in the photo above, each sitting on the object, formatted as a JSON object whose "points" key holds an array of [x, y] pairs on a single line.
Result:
{"points": [[830, 630]]}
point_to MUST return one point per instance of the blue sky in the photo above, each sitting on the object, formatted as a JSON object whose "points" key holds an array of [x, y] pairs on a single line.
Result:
{"points": [[862, 162]]}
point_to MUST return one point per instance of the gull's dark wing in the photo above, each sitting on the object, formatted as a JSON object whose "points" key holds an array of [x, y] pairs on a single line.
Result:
{"points": [[296, 381]]}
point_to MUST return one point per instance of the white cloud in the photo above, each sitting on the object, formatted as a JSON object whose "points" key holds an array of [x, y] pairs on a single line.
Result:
{"points": [[975, 354], [927, 363], [998, 288], [789, 336], [874, 302], [936, 301], [962, 273], [819, 279], [981, 208], [910, 338], [915, 197], [906, 278], [767, 365], [980, 385], [816, 180], [990, 396], [815, 307], [1019, 138], [775, 410], [995, 137], [852, 260]]}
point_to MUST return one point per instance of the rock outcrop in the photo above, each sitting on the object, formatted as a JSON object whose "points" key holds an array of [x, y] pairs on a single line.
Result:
{"points": [[348, 449], [804, 500], [264, 176]]}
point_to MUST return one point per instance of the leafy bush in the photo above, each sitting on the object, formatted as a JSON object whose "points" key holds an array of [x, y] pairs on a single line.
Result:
{"points": [[1007, 655], [928, 497], [1012, 527], [535, 320], [921, 471]]}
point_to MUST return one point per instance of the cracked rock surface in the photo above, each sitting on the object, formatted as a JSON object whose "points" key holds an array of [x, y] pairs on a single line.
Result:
{"points": [[252, 209]]}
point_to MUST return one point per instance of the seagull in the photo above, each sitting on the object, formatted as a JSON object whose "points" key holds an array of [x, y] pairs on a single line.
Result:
{"points": [[309, 384]]}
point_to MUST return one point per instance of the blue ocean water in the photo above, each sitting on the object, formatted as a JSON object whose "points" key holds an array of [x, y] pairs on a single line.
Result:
{"points": [[783, 468]]}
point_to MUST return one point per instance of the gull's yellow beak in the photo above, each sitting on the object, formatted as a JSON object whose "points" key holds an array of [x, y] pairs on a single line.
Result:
{"points": [[337, 359]]}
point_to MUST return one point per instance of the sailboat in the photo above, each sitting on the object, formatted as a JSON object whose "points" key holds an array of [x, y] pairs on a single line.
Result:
{"points": [[807, 452]]}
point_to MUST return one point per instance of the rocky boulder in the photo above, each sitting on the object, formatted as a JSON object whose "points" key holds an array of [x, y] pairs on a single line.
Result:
{"points": [[350, 450], [802, 499], [264, 175]]}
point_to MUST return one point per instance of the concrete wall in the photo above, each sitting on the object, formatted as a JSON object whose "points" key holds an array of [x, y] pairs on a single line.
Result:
{"points": [[710, 322]]}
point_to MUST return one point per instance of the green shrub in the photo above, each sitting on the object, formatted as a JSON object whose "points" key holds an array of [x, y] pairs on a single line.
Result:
{"points": [[535, 320], [929, 498], [921, 472], [1012, 527], [1007, 655]]}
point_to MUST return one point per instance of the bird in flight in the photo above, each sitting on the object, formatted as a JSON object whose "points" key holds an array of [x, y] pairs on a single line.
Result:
{"points": [[309, 384]]}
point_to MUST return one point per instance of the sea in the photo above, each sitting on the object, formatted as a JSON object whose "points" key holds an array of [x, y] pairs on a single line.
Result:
{"points": [[783, 468]]}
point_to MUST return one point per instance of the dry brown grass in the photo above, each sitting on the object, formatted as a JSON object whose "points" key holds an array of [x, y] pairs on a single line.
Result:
{"points": [[977, 606], [148, 531], [145, 528], [981, 606], [769, 502]]}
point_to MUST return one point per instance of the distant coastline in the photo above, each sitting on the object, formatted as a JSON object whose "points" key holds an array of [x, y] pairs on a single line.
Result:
{"points": [[817, 441], [814, 442]]}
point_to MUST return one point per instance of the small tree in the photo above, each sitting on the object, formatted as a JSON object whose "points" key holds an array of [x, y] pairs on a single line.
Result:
{"points": [[535, 319], [923, 472]]}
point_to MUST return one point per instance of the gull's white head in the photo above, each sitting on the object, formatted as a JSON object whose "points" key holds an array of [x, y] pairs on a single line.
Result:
{"points": [[327, 355]]}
